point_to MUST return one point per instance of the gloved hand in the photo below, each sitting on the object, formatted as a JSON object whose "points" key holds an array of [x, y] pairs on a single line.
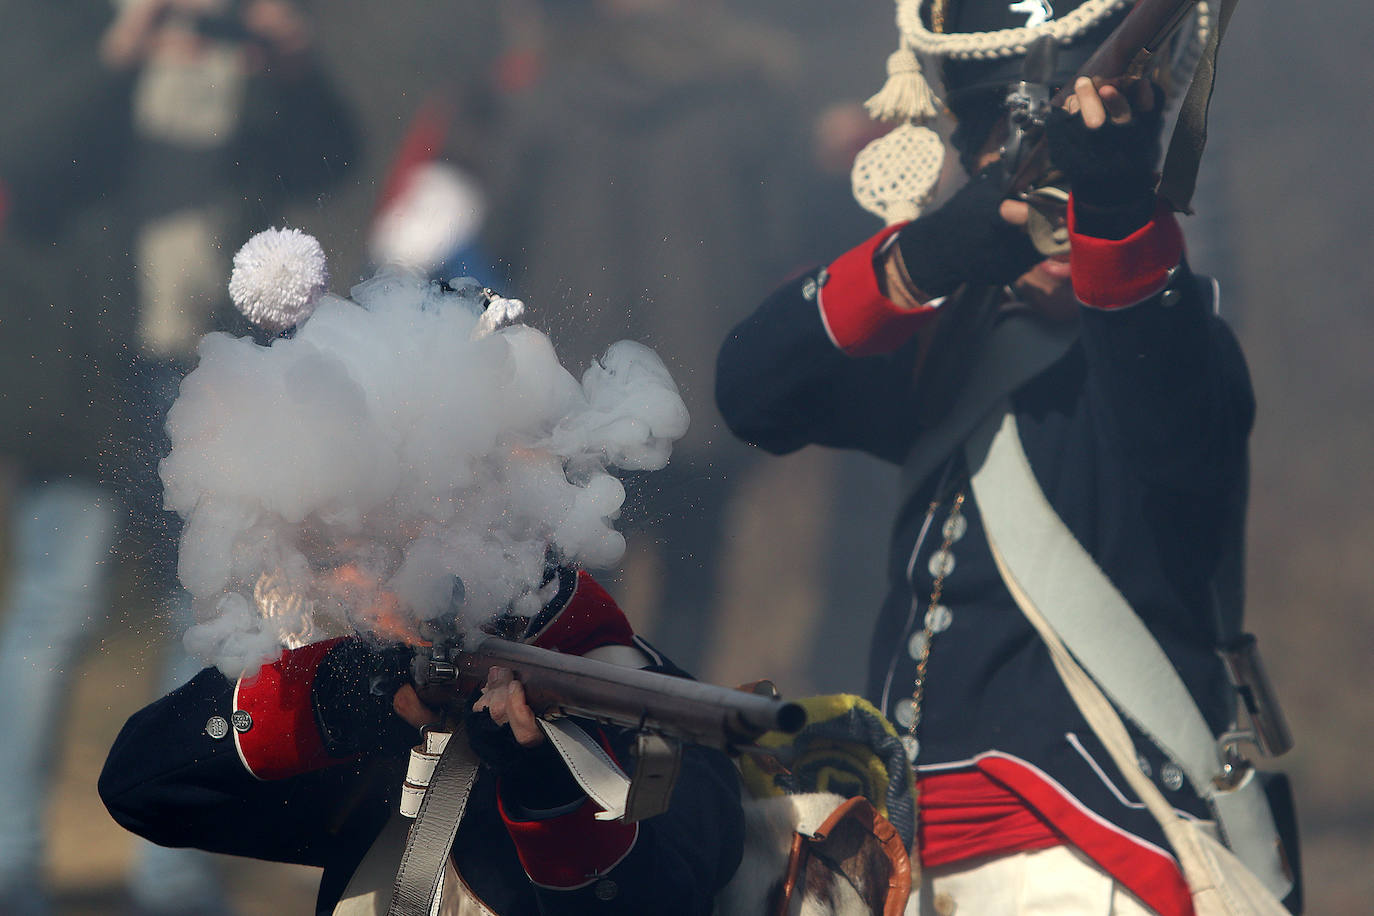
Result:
{"points": [[1107, 144], [352, 698], [966, 241], [531, 771]]}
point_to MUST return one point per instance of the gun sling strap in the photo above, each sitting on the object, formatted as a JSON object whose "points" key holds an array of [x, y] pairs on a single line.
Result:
{"points": [[1179, 174], [408, 872], [1073, 604]]}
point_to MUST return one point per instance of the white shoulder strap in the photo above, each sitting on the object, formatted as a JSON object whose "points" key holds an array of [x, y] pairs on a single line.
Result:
{"points": [[1048, 571]]}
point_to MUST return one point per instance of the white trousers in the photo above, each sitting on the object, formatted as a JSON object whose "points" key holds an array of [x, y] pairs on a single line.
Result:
{"points": [[1059, 881]]}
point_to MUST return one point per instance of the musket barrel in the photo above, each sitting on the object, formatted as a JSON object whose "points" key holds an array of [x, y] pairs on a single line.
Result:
{"points": [[677, 707]]}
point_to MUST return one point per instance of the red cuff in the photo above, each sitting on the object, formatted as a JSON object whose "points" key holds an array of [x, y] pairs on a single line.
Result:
{"points": [[589, 620], [1115, 273], [860, 320], [571, 850], [282, 738]]}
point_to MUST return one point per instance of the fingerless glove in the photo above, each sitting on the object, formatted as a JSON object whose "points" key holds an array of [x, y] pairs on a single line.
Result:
{"points": [[352, 696], [534, 778], [966, 241], [1110, 169]]}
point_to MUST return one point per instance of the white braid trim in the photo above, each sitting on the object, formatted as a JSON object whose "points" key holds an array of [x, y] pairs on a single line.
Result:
{"points": [[1004, 42], [1015, 42]]}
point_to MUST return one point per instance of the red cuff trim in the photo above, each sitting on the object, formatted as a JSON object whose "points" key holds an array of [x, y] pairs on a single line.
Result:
{"points": [[860, 320], [572, 850], [1147, 871], [283, 739], [589, 620], [1115, 273]]}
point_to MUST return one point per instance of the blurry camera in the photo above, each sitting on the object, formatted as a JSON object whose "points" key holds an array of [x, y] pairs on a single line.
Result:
{"points": [[224, 24]]}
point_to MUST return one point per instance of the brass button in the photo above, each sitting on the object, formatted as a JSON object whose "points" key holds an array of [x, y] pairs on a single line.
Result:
{"points": [[606, 889], [217, 727]]}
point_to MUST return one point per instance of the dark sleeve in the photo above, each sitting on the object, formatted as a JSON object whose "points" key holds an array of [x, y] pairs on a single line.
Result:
{"points": [[168, 780], [299, 135], [1169, 384], [782, 383], [1166, 377]]}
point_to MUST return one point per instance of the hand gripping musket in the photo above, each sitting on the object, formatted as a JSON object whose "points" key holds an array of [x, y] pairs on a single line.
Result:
{"points": [[1027, 173], [663, 711], [1128, 54], [559, 685]]}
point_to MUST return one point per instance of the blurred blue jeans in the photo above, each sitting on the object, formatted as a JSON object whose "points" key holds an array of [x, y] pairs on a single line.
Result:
{"points": [[56, 600]]}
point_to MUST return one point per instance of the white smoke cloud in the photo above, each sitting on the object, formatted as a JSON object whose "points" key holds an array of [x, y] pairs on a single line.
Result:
{"points": [[342, 478]]}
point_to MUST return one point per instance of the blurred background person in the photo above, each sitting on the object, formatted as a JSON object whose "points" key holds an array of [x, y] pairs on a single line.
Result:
{"points": [[184, 123], [433, 201], [816, 595], [233, 118], [639, 195], [65, 313]]}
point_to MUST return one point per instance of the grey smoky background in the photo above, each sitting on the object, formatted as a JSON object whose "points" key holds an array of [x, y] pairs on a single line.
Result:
{"points": [[649, 169]]}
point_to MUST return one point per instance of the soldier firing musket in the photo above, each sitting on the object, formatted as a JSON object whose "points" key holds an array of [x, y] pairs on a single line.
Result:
{"points": [[1027, 342], [416, 686]]}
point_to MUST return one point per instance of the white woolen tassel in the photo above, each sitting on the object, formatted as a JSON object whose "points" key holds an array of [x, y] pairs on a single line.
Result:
{"points": [[278, 278], [906, 96]]}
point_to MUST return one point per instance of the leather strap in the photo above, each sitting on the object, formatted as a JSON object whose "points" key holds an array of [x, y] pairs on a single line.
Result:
{"points": [[1221, 885], [1179, 178], [1047, 570], [431, 835], [591, 767], [658, 761], [369, 889]]}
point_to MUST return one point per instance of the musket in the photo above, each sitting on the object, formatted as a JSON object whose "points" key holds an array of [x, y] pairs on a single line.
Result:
{"points": [[1126, 55], [647, 702]]}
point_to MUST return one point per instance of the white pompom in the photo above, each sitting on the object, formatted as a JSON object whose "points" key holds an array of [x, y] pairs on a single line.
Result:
{"points": [[279, 276]]}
